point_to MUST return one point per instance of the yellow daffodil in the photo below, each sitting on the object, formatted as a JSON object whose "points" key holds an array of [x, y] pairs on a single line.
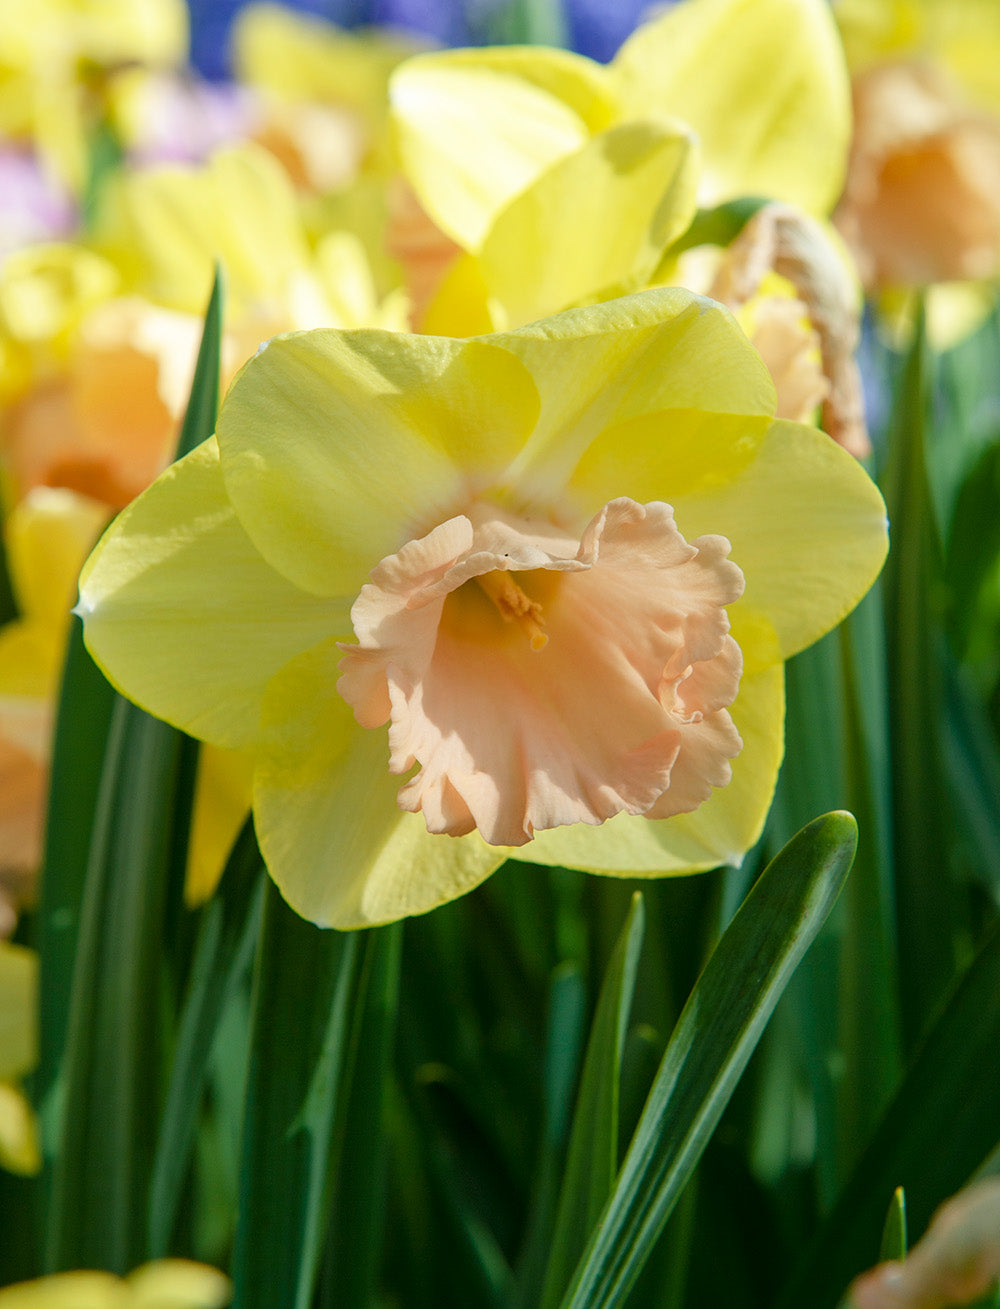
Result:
{"points": [[524, 552], [46, 537], [18, 1053], [53, 57], [165, 1284], [921, 204], [93, 382], [166, 227], [761, 83], [325, 91], [590, 213]]}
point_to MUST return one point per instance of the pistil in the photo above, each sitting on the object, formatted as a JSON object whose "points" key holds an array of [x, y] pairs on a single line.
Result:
{"points": [[515, 606]]}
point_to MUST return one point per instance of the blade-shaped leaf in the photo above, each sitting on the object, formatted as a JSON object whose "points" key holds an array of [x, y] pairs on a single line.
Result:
{"points": [[226, 938], [116, 846], [714, 1037], [940, 1126], [926, 903], [592, 1158], [894, 1244]]}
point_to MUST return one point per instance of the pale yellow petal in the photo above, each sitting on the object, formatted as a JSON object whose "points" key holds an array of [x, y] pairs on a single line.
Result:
{"points": [[171, 223], [341, 851], [178, 1284], [764, 85], [48, 536], [595, 221], [223, 792], [475, 127], [84, 1290], [339, 447], [18, 1016], [622, 360], [19, 1148], [184, 615], [807, 527]]}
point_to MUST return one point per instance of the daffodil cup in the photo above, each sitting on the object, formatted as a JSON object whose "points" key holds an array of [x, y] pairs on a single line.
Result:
{"points": [[530, 591]]}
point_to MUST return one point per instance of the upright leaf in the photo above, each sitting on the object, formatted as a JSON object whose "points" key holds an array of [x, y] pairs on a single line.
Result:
{"points": [[925, 900], [714, 1037], [592, 1158]]}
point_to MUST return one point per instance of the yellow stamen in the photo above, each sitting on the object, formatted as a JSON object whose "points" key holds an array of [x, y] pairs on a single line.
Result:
{"points": [[515, 607]]}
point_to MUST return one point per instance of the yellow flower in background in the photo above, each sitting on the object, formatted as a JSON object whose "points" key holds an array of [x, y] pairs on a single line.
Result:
{"points": [[97, 350], [166, 227], [18, 1053], [594, 211], [54, 55], [324, 91], [165, 1284], [93, 383], [761, 83], [46, 538], [563, 564], [921, 204]]}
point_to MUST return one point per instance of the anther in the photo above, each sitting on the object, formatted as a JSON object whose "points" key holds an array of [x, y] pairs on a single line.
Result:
{"points": [[515, 607]]}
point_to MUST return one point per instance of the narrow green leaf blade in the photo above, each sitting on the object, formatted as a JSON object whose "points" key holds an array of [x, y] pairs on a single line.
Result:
{"points": [[83, 720], [894, 1244], [357, 1172], [226, 938], [939, 1127], [592, 1158], [305, 989], [101, 1171], [203, 403], [714, 1037], [926, 903]]}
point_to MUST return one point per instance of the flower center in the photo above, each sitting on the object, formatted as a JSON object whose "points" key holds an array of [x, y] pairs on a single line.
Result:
{"points": [[627, 712], [515, 606]]}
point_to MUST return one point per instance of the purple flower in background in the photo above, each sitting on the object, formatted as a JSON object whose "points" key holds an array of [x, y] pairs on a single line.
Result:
{"points": [[594, 27], [597, 28], [183, 121], [32, 206]]}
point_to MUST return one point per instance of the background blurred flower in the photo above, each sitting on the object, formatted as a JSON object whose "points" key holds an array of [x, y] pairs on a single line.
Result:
{"points": [[18, 1055], [54, 58], [921, 203], [165, 1284]]}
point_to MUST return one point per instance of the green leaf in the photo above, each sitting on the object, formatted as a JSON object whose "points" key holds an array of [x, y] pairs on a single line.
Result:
{"points": [[592, 1158], [203, 403], [227, 935], [311, 986], [894, 1245], [714, 1037], [937, 1130], [926, 903], [357, 1175], [97, 1214], [114, 864], [564, 1040], [86, 701], [8, 601]]}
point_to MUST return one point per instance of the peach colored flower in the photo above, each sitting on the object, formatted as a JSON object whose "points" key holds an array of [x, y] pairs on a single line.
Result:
{"points": [[513, 553], [922, 198]]}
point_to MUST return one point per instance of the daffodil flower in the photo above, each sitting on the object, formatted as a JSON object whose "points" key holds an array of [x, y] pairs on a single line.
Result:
{"points": [[761, 83], [555, 571], [921, 203], [19, 1151], [163, 1284], [55, 53]]}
